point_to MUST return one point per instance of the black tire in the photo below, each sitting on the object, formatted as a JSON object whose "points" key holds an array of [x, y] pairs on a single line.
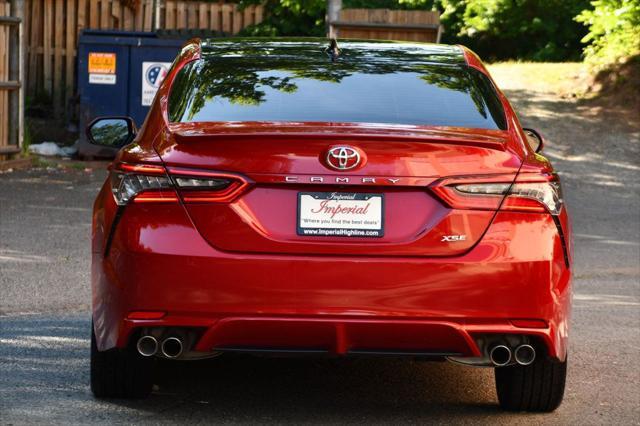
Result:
{"points": [[538, 387], [119, 373]]}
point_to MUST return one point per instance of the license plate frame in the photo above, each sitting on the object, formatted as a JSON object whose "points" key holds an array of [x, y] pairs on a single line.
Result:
{"points": [[353, 223]]}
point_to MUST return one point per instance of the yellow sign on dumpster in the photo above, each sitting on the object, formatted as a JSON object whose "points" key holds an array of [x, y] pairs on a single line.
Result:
{"points": [[102, 63], [102, 68]]}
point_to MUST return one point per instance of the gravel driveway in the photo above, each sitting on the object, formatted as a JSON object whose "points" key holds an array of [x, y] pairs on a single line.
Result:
{"points": [[45, 219]]}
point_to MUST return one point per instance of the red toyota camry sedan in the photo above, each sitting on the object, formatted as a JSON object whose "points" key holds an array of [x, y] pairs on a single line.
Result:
{"points": [[296, 196]]}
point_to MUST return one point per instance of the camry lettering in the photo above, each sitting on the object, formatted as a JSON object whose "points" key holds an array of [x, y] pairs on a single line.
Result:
{"points": [[322, 179]]}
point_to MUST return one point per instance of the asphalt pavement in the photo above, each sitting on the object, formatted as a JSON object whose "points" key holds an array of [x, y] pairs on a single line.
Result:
{"points": [[45, 217]]}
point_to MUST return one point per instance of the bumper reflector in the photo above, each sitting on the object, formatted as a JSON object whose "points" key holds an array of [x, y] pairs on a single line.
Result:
{"points": [[146, 315], [529, 323]]}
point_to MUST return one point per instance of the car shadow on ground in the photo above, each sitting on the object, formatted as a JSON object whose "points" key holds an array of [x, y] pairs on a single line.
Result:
{"points": [[44, 369]]}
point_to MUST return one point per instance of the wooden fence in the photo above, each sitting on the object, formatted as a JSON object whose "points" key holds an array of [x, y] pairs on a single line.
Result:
{"points": [[52, 29], [385, 24], [11, 80], [4, 76]]}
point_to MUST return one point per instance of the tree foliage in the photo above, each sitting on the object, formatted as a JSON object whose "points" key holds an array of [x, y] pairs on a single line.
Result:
{"points": [[289, 18], [543, 30], [614, 31], [515, 29], [505, 29], [390, 4]]}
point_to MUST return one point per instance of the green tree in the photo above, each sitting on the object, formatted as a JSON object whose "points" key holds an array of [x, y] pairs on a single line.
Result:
{"points": [[289, 18], [515, 29], [390, 4], [504, 29], [496, 29], [614, 31]]}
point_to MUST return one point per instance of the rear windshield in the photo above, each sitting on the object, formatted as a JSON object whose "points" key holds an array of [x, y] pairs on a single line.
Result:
{"points": [[245, 89]]}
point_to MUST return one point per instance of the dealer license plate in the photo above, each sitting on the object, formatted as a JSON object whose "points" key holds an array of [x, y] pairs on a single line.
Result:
{"points": [[340, 214]]}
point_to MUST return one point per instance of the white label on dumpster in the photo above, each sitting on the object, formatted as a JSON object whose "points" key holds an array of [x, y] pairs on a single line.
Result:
{"points": [[102, 79], [152, 75]]}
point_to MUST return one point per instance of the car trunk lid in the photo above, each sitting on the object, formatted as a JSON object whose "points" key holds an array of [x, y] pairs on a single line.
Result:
{"points": [[289, 178]]}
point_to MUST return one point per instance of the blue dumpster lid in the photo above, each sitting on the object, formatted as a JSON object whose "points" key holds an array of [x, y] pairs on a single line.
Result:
{"points": [[131, 38], [120, 33]]}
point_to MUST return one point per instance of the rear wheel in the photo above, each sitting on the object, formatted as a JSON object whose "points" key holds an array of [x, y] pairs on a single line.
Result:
{"points": [[536, 387], [119, 373]]}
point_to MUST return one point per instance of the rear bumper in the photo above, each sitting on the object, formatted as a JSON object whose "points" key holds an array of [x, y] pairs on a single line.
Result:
{"points": [[339, 336], [338, 305]]}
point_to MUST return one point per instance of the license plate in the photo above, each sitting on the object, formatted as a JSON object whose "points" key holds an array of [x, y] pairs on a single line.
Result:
{"points": [[340, 214]]}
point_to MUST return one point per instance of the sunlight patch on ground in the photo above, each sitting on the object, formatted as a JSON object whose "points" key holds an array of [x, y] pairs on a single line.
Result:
{"points": [[45, 341], [73, 209], [604, 299], [606, 240], [595, 158], [561, 78], [15, 256]]}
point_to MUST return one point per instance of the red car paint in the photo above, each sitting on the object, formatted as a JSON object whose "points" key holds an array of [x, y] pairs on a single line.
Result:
{"points": [[233, 266]]}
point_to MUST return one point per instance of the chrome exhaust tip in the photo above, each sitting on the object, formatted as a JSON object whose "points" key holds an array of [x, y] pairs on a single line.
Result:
{"points": [[147, 346], [500, 355], [525, 354], [172, 347]]}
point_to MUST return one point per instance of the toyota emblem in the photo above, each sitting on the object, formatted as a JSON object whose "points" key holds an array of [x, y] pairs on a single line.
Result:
{"points": [[343, 158]]}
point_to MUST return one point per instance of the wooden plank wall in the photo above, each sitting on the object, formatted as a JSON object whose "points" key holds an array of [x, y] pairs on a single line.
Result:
{"points": [[53, 27], [405, 25], [4, 76]]}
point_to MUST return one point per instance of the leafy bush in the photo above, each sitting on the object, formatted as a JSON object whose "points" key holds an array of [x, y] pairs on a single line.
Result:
{"points": [[614, 31], [541, 30], [289, 18], [389, 4]]}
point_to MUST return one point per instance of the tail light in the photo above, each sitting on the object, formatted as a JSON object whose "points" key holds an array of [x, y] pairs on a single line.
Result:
{"points": [[204, 186], [529, 193], [148, 183], [141, 183]]}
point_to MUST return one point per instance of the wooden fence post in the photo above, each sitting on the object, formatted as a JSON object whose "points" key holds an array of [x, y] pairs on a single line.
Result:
{"points": [[333, 15], [16, 73], [386, 24], [12, 121]]}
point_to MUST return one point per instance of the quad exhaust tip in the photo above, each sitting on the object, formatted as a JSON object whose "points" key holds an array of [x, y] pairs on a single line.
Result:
{"points": [[500, 355], [525, 354], [172, 347], [147, 346]]}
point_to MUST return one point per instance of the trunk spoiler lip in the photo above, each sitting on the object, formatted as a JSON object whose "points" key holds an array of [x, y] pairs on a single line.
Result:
{"points": [[197, 132]]}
